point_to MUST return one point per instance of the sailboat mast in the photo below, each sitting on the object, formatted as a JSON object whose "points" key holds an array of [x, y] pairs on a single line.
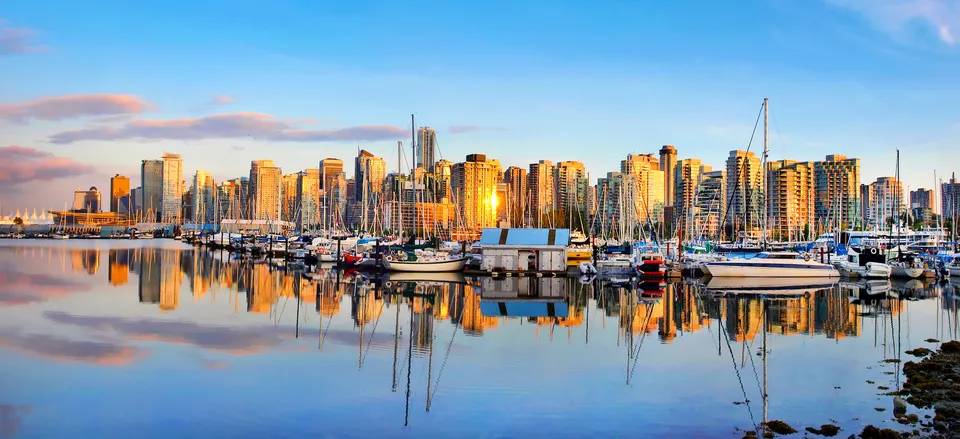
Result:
{"points": [[763, 167], [413, 174]]}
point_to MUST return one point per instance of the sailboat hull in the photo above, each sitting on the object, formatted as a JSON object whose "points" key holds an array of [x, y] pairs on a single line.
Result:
{"points": [[426, 266], [751, 268]]}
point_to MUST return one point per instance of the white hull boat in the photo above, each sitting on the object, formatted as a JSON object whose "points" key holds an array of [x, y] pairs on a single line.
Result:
{"points": [[769, 286], [906, 272], [425, 266], [771, 264], [954, 270]]}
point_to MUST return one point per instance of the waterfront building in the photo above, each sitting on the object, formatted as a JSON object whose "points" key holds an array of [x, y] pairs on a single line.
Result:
{"points": [[151, 181], [837, 185], [744, 190], [475, 186], [288, 197], [572, 183], [308, 198], [87, 201], [790, 199], [618, 193], [515, 178], [171, 196], [950, 199], [711, 204], [330, 168], [232, 199], [119, 188], [204, 199], [426, 149], [668, 164], [541, 190], [649, 196], [885, 202], [922, 204], [264, 191], [370, 172], [688, 174]]}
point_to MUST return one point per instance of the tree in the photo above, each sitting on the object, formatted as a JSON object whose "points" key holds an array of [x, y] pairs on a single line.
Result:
{"points": [[18, 221]]}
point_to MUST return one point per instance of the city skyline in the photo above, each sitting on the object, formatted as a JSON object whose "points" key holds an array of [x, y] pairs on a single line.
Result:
{"points": [[557, 95]]}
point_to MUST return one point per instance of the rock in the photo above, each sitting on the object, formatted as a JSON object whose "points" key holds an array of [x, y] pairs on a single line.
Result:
{"points": [[883, 388], [932, 340], [871, 432], [919, 352], [913, 418], [871, 382], [828, 430], [768, 435], [779, 427], [950, 347], [899, 405], [891, 360], [880, 409]]}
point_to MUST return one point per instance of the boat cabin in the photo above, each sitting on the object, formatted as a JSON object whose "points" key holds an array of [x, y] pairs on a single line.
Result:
{"points": [[522, 250], [777, 255]]}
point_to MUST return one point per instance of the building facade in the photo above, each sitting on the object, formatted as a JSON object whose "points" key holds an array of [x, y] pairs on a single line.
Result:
{"points": [[151, 181], [744, 190], [205, 209], [837, 183], [515, 178], [475, 190], [308, 198], [790, 199], [171, 197], [886, 202], [264, 193], [119, 188], [426, 148], [572, 183], [541, 190], [950, 199]]}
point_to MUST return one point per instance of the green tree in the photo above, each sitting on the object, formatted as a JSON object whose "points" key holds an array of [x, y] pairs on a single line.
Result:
{"points": [[18, 221]]}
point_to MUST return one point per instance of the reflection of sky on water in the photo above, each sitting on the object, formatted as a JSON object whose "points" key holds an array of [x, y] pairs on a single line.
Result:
{"points": [[126, 341]]}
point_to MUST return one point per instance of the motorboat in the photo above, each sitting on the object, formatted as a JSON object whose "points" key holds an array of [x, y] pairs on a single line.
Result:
{"points": [[587, 269], [771, 264], [768, 286], [651, 265], [869, 265], [953, 268], [906, 265], [424, 262]]}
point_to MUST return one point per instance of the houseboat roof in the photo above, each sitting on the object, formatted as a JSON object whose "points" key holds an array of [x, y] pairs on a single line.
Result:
{"points": [[525, 237]]}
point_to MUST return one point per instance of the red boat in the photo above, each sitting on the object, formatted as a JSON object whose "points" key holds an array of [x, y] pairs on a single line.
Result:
{"points": [[351, 259], [651, 266]]}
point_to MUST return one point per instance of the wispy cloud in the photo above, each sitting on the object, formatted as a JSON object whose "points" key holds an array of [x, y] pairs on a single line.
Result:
{"points": [[17, 40], [893, 16], [65, 349], [460, 129], [20, 165], [222, 100], [257, 126], [72, 106]]}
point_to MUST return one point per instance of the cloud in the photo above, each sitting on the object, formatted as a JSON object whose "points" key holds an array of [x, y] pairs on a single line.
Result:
{"points": [[222, 100], [460, 129], [64, 349], [892, 16], [16, 40], [72, 106], [20, 165], [257, 126]]}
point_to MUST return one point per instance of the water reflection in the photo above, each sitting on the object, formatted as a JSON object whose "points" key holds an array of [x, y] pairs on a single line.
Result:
{"points": [[447, 342]]}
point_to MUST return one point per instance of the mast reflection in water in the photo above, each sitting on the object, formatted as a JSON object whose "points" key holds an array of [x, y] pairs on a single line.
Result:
{"points": [[315, 350]]}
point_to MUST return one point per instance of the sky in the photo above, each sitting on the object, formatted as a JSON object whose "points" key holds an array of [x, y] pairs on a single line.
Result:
{"points": [[89, 89]]}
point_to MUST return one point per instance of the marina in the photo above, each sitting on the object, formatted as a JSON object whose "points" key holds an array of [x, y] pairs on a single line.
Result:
{"points": [[439, 352]]}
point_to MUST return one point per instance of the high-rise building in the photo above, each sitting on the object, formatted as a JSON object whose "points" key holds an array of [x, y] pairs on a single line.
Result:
{"points": [[688, 174], [119, 188], [516, 179], [369, 173], [232, 199], [744, 190], [790, 199], [837, 183], [288, 197], [329, 169], [886, 201], [922, 204], [205, 209], [136, 200], [950, 199], [171, 197], [264, 191], [617, 214], [541, 190], [151, 181], [572, 183], [668, 162], [443, 173], [87, 201], [308, 198], [711, 203], [650, 194], [426, 148], [475, 190]]}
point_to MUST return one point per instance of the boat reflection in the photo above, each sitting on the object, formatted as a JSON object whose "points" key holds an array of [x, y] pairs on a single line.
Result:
{"points": [[767, 286]]}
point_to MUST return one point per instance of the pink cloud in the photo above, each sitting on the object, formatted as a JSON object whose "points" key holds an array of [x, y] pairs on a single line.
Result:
{"points": [[227, 126], [222, 100], [66, 107], [14, 40], [22, 165]]}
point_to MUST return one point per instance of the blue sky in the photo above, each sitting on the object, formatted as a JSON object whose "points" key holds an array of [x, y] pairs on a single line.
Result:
{"points": [[520, 81]]}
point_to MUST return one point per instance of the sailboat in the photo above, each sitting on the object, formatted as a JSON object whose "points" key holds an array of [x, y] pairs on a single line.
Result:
{"points": [[422, 262], [770, 264]]}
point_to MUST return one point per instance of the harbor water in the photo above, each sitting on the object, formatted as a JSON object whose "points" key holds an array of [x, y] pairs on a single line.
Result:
{"points": [[153, 338]]}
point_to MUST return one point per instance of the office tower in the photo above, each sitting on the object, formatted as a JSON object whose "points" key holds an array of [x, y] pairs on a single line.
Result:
{"points": [[264, 191], [950, 199], [921, 204], [232, 199], [886, 201], [151, 181], [837, 183], [516, 179], [119, 188], [288, 197], [790, 203], [744, 191], [541, 190], [369, 173], [204, 189], [329, 169], [711, 203], [617, 211], [87, 201], [171, 196], [443, 173], [572, 182], [426, 148], [136, 200], [308, 198], [668, 162], [475, 186], [187, 208]]}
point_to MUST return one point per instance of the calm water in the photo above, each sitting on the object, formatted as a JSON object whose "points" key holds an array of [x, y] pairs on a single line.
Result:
{"points": [[146, 338]]}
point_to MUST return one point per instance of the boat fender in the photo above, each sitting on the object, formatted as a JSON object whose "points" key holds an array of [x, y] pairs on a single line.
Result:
{"points": [[873, 250], [389, 258], [806, 257]]}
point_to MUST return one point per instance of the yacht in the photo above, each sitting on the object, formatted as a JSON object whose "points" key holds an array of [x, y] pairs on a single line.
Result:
{"points": [[771, 264], [954, 267], [424, 262], [868, 265]]}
